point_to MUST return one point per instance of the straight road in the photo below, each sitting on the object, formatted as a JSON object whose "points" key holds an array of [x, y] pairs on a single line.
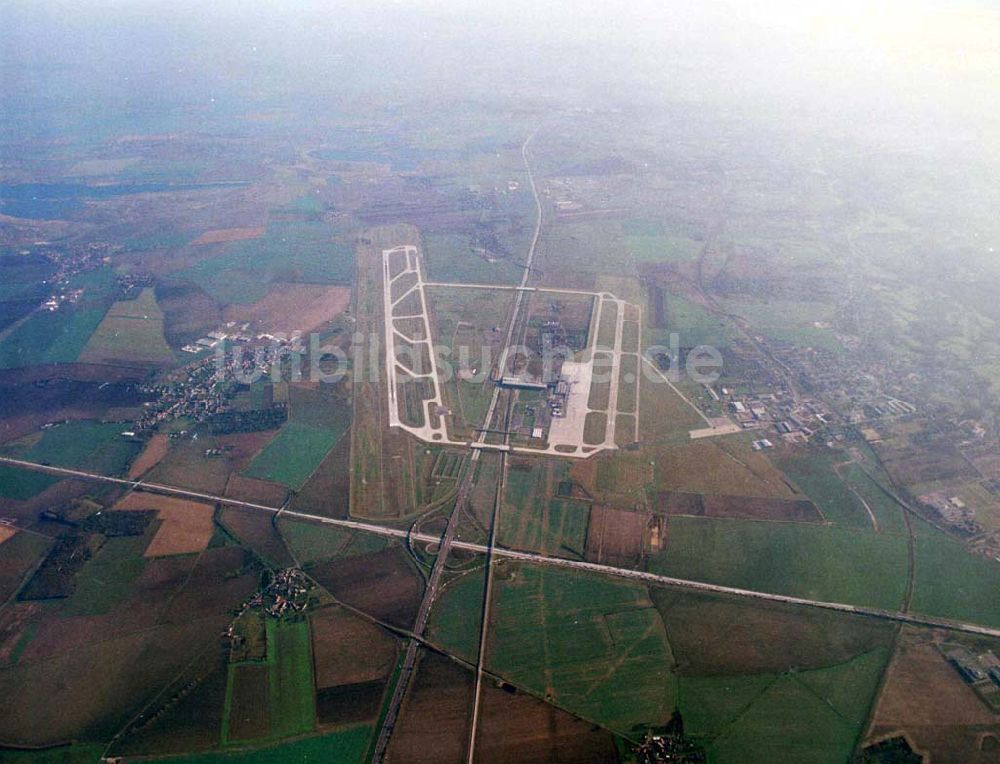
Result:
{"points": [[529, 557], [461, 499], [420, 622], [501, 480]]}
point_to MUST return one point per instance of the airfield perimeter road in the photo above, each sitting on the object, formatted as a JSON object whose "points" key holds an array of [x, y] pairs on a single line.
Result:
{"points": [[531, 557], [461, 500]]}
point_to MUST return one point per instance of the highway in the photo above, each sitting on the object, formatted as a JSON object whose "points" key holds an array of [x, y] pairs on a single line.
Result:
{"points": [[498, 497], [461, 500], [420, 622], [530, 557]]}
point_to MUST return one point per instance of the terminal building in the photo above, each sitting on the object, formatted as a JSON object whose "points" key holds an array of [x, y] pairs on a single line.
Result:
{"points": [[558, 390]]}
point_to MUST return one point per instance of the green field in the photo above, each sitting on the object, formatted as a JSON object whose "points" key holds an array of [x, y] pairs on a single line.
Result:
{"points": [[804, 717], [694, 324], [310, 542], [346, 745], [76, 753], [450, 258], [293, 454], [22, 277], [596, 645], [291, 693], [90, 446], [300, 252], [888, 513], [553, 526], [131, 332], [319, 408], [789, 321], [815, 475], [455, 620], [661, 248], [798, 559], [18, 556], [808, 716], [21, 484], [953, 583], [307, 205], [582, 247], [107, 578], [59, 336]]}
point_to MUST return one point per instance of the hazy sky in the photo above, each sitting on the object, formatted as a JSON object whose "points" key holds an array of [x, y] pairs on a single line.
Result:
{"points": [[938, 63]]}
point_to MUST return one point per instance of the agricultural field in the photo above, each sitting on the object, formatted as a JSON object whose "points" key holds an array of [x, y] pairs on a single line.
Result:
{"points": [[150, 455], [20, 484], [347, 745], [186, 465], [328, 490], [692, 322], [817, 477], [534, 519], [519, 727], [23, 278], [222, 235], [813, 715], [651, 241], [310, 542], [621, 537], [97, 683], [738, 507], [293, 455], [353, 662], [131, 333], [887, 512], [288, 252], [594, 646], [185, 526], [796, 322], [141, 623], [950, 722], [951, 582], [92, 446], [59, 336], [798, 559], [715, 635], [439, 716], [453, 623], [573, 254], [665, 416], [384, 583], [273, 697], [725, 466], [291, 307], [450, 259], [19, 554]]}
